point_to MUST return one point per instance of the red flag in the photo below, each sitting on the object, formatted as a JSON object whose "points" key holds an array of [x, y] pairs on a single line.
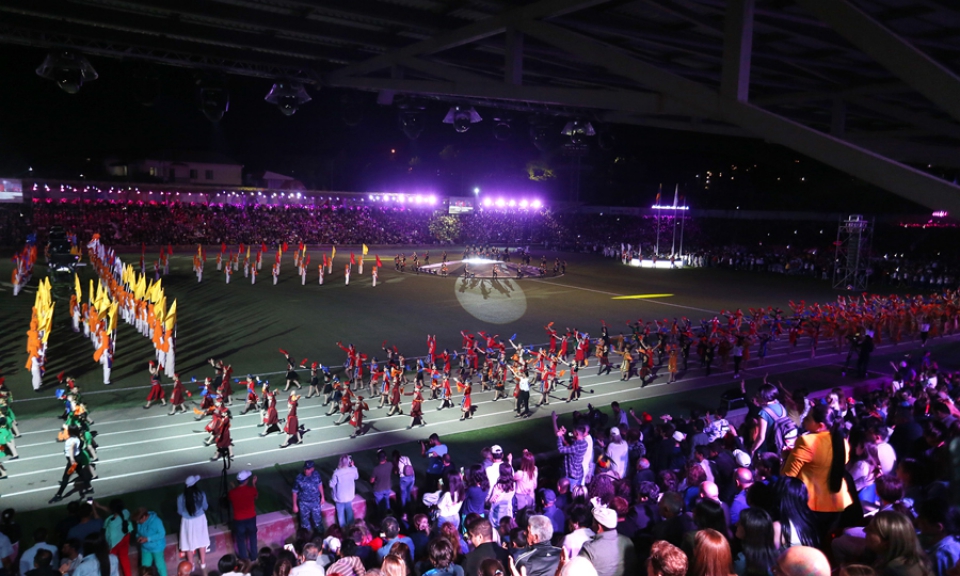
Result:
{"points": [[308, 260], [223, 247], [169, 249], [378, 261], [353, 259], [284, 246], [263, 247], [240, 251], [324, 260]]}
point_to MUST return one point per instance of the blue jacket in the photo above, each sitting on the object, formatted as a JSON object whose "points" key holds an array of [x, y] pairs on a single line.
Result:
{"points": [[152, 529]]}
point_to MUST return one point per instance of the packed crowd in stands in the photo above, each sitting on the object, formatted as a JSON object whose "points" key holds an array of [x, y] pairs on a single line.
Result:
{"points": [[133, 223], [857, 486]]}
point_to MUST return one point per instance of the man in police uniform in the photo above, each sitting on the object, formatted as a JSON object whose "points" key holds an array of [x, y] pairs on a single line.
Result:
{"points": [[308, 497]]}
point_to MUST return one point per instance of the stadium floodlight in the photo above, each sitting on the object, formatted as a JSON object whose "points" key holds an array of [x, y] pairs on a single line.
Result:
{"points": [[488, 201], [288, 96], [524, 203], [578, 130], [501, 202], [213, 95], [536, 204], [461, 117], [67, 69]]}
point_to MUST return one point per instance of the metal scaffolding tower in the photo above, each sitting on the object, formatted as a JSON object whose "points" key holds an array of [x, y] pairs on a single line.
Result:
{"points": [[854, 237]]}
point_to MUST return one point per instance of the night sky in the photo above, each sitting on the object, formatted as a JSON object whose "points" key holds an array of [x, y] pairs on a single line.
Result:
{"points": [[62, 135]]}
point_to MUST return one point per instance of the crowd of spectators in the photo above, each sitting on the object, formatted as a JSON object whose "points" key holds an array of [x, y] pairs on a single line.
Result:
{"points": [[134, 223], [862, 486]]}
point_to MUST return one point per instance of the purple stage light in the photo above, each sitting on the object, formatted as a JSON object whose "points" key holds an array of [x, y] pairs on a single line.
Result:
{"points": [[431, 199], [524, 203], [536, 204], [501, 202], [488, 202]]}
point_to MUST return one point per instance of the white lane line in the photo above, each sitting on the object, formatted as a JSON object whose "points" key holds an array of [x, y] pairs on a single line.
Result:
{"points": [[537, 414]]}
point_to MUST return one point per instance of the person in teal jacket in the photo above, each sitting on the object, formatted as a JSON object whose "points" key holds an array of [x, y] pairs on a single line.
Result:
{"points": [[152, 538]]}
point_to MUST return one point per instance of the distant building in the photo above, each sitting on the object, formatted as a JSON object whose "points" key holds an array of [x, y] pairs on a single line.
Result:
{"points": [[182, 167], [274, 181]]}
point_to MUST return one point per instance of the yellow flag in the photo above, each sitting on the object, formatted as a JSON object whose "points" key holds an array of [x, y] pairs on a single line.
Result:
{"points": [[248, 252], [365, 249], [112, 325], [77, 288], [157, 291], [140, 288], [171, 320], [160, 310], [90, 295], [333, 253], [45, 322]]}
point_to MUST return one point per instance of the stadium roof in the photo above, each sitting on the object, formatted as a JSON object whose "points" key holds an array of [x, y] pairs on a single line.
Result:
{"points": [[868, 86]]}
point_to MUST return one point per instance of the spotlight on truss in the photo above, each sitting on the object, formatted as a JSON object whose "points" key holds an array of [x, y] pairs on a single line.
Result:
{"points": [[461, 117], [542, 133], [67, 69], [213, 96], [411, 122], [288, 96], [502, 129], [578, 130]]}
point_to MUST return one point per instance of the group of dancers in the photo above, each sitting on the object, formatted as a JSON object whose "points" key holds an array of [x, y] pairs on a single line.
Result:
{"points": [[496, 364]]}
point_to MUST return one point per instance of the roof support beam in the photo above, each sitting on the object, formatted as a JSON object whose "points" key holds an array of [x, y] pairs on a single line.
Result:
{"points": [[472, 33], [737, 49], [927, 76], [869, 166], [513, 66], [645, 103]]}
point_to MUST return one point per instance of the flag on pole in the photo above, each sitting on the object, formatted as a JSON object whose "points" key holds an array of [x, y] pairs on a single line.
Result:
{"points": [[77, 289], [379, 263], [676, 193], [333, 253], [365, 249], [353, 259], [658, 195]]}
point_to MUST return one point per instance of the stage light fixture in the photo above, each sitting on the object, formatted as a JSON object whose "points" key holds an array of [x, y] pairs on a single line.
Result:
{"points": [[288, 96], [461, 117], [67, 69], [578, 130], [213, 96], [536, 204], [542, 133], [411, 123], [488, 202], [524, 204], [502, 129]]}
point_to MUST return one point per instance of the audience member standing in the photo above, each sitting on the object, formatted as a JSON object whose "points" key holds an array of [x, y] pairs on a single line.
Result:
{"points": [[243, 502], [194, 533]]}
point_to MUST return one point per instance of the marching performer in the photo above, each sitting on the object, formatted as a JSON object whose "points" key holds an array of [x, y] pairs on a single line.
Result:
{"points": [[269, 417], [177, 400], [252, 397], [223, 441], [156, 390], [396, 393], [357, 419], [292, 376], [346, 406], [466, 404], [447, 401], [314, 388], [346, 272], [292, 426], [373, 274], [228, 271], [416, 407], [320, 270]]}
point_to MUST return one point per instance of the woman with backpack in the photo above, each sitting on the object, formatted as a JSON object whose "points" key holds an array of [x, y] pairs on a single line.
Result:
{"points": [[777, 432], [117, 528]]}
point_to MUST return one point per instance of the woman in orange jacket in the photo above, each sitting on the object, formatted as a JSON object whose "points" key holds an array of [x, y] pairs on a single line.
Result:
{"points": [[819, 461]]}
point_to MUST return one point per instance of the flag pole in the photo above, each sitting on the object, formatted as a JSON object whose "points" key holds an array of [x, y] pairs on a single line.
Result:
{"points": [[683, 219], [657, 250], [673, 245]]}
